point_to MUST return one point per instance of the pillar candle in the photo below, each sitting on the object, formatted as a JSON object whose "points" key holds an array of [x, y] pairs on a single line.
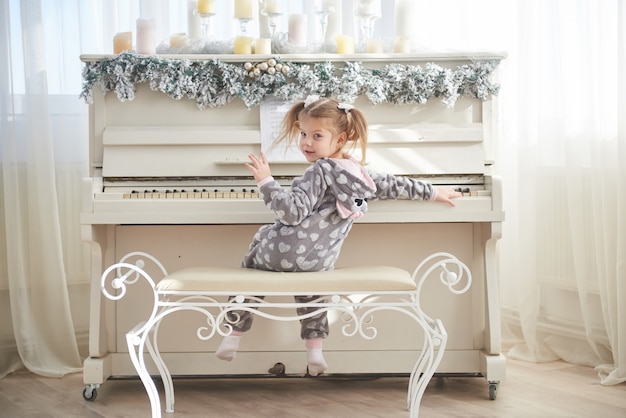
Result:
{"points": [[243, 9], [206, 6], [264, 25], [375, 46], [178, 40], [297, 32], [368, 8], [263, 46], [122, 41], [146, 36], [345, 44], [194, 25], [401, 45], [404, 18], [243, 45], [273, 7]]}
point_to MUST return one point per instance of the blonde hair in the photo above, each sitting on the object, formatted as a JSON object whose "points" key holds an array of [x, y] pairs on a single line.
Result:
{"points": [[351, 121]]}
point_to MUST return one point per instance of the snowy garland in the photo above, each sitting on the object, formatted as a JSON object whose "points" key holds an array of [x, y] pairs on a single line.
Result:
{"points": [[214, 83]]}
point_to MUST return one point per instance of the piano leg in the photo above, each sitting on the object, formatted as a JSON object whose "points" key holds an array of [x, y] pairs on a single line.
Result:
{"points": [[493, 367], [97, 367], [493, 363]]}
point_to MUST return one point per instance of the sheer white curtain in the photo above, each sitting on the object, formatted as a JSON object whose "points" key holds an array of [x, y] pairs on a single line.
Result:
{"points": [[33, 254], [564, 252], [563, 136]]}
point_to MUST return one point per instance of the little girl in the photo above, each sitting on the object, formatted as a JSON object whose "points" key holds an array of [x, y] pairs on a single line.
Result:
{"points": [[315, 215]]}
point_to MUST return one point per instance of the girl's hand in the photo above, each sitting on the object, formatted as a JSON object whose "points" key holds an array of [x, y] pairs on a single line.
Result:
{"points": [[259, 167], [445, 195]]}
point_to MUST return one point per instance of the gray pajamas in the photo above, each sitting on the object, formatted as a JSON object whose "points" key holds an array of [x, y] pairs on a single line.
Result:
{"points": [[313, 219]]}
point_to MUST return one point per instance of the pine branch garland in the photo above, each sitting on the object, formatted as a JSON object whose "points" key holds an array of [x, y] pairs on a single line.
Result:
{"points": [[215, 83]]}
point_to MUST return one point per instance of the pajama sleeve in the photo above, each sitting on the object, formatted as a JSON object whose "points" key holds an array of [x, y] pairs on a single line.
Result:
{"points": [[398, 187]]}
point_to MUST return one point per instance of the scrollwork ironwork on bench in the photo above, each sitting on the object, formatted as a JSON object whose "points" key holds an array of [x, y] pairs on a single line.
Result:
{"points": [[357, 309]]}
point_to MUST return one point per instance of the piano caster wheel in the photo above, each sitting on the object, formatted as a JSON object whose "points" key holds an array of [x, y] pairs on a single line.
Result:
{"points": [[493, 390], [278, 369], [90, 393]]}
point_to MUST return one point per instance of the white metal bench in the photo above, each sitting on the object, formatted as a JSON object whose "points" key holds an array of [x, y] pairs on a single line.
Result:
{"points": [[357, 293]]}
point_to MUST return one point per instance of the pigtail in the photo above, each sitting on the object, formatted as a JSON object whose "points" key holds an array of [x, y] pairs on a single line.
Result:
{"points": [[357, 131], [290, 127]]}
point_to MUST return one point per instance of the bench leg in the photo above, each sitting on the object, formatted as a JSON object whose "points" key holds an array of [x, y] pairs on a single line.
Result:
{"points": [[135, 340], [166, 377], [433, 348]]}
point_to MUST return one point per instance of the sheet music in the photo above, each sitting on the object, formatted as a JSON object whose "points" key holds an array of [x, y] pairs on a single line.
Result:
{"points": [[272, 112]]}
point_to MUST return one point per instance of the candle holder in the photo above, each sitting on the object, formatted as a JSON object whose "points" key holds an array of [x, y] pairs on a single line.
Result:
{"points": [[323, 12], [272, 12], [243, 25], [367, 12], [205, 23], [367, 24]]}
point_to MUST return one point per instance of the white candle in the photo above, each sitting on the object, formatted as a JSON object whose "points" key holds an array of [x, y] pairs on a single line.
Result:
{"points": [[243, 45], [345, 44], [122, 41], [206, 6], [374, 46], [404, 18], [263, 46], [401, 45], [273, 7], [297, 32], [243, 9], [194, 26], [368, 8], [264, 25], [178, 40], [146, 36]]}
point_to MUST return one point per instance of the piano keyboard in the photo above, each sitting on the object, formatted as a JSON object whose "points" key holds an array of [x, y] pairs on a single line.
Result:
{"points": [[242, 193], [200, 202]]}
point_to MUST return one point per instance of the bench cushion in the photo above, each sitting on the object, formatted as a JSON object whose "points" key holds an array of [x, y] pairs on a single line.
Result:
{"points": [[366, 278]]}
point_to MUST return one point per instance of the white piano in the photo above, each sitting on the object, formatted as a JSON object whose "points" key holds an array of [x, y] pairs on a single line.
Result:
{"points": [[168, 178]]}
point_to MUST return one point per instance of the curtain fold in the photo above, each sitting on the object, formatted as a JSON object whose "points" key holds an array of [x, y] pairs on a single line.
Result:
{"points": [[561, 152], [40, 310], [613, 284]]}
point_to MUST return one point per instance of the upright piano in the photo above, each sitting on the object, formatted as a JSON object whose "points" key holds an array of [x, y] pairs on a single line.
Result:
{"points": [[168, 178]]}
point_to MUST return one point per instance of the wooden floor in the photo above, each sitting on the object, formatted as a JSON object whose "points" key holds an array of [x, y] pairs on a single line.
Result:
{"points": [[531, 390]]}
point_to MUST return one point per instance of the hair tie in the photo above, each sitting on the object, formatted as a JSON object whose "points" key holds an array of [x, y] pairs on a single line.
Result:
{"points": [[346, 107], [311, 99]]}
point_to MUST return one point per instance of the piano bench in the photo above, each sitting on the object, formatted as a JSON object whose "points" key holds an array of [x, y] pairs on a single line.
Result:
{"points": [[356, 292]]}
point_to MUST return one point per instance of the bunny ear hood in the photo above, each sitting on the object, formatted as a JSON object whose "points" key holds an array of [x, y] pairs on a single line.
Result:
{"points": [[350, 184]]}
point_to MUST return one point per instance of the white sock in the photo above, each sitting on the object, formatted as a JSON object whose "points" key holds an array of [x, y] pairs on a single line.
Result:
{"points": [[315, 361], [228, 348]]}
